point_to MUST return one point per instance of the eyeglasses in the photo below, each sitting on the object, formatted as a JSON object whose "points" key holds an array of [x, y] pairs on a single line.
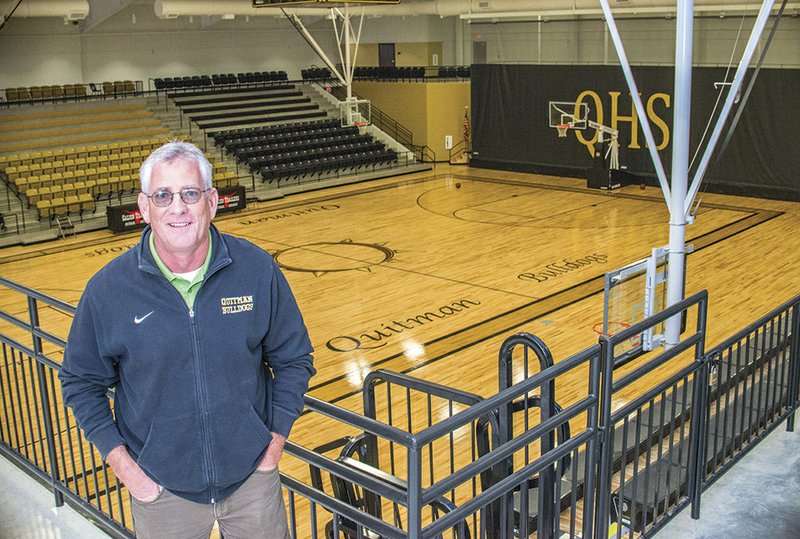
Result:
{"points": [[189, 195]]}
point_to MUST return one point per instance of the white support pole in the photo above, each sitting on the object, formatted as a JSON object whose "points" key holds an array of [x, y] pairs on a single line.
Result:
{"points": [[738, 79], [314, 45], [637, 101], [348, 73], [680, 163]]}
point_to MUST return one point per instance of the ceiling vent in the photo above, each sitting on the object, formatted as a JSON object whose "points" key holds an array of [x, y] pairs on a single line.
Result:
{"points": [[76, 15]]}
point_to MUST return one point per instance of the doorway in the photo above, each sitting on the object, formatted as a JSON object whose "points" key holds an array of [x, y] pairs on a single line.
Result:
{"points": [[386, 54]]}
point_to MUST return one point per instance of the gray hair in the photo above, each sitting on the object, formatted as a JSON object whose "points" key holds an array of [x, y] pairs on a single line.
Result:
{"points": [[172, 150]]}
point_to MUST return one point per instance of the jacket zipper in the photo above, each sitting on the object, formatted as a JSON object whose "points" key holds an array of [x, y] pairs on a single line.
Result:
{"points": [[202, 398]]}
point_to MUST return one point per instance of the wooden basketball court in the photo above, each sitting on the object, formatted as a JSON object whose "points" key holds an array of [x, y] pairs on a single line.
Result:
{"points": [[428, 272]]}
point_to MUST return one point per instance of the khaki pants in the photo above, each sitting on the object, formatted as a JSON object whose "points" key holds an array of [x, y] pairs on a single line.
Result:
{"points": [[255, 510]]}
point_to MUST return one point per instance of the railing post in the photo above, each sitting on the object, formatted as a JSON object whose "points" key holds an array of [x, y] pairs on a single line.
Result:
{"points": [[33, 315], [701, 395], [794, 367], [606, 445], [414, 492]]}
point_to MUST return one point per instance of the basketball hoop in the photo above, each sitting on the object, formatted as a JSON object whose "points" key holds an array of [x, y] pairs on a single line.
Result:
{"points": [[562, 129]]}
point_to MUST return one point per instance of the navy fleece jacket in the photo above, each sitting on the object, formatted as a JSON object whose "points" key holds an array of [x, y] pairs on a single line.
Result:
{"points": [[197, 392]]}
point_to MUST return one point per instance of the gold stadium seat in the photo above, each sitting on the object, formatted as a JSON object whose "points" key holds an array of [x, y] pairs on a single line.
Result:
{"points": [[33, 196], [57, 178], [126, 183], [57, 191], [114, 185], [89, 185], [25, 159], [17, 172], [45, 180], [43, 207], [73, 204], [69, 190], [22, 185], [69, 176], [35, 169], [87, 202], [36, 93], [102, 188], [58, 207], [23, 94]]}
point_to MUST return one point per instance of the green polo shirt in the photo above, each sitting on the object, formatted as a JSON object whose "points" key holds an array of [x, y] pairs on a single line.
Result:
{"points": [[188, 289]]}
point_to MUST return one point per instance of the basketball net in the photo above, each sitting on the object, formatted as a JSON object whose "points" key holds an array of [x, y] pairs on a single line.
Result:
{"points": [[562, 129]]}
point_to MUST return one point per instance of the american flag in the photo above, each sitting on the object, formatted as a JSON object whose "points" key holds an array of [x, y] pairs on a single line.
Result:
{"points": [[466, 124]]}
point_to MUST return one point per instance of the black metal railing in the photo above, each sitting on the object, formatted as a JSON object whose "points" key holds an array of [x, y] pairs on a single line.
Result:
{"points": [[426, 460]]}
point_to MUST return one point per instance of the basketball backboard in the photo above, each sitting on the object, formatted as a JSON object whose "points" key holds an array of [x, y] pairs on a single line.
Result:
{"points": [[633, 293], [356, 112], [575, 115]]}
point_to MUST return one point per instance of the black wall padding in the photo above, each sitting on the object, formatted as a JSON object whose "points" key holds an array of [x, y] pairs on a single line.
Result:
{"points": [[511, 132]]}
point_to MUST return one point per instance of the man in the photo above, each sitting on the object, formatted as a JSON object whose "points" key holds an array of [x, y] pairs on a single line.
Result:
{"points": [[202, 340]]}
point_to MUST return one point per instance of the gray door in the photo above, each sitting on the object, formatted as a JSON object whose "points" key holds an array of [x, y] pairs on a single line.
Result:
{"points": [[478, 52], [386, 54]]}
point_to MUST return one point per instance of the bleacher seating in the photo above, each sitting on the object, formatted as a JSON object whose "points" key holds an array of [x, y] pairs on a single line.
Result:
{"points": [[225, 79], [405, 73], [219, 108], [316, 73], [71, 181], [53, 92], [64, 160], [304, 149], [454, 72], [36, 128]]}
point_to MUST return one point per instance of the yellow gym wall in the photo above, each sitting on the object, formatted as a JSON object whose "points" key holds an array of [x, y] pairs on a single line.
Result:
{"points": [[431, 110]]}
